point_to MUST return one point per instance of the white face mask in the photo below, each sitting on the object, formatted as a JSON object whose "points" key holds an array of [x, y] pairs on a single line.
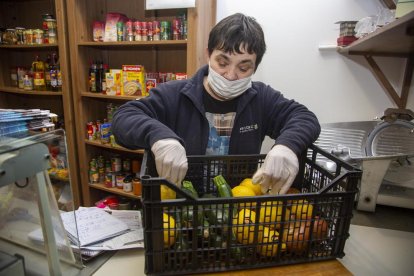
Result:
{"points": [[225, 88]]}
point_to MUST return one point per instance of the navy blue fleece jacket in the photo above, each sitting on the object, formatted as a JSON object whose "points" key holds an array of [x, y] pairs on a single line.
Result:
{"points": [[175, 110]]}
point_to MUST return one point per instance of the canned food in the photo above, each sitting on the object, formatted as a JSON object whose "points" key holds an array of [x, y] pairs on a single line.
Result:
{"points": [[126, 165], [105, 133], [138, 27], [120, 31], [108, 180], [116, 164], [120, 181], [165, 30], [144, 31], [90, 131], [176, 29], [156, 30], [150, 31]]}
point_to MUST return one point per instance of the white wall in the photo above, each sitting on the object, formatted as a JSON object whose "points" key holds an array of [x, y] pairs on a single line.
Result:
{"points": [[337, 88]]}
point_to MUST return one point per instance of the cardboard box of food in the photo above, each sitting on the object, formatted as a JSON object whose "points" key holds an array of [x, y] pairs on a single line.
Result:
{"points": [[133, 80]]}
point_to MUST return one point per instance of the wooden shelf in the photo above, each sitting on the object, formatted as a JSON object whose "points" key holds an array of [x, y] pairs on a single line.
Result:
{"points": [[109, 146], [8, 89], [133, 43], [185, 56], [28, 14], [394, 39], [117, 191], [31, 47], [103, 96]]}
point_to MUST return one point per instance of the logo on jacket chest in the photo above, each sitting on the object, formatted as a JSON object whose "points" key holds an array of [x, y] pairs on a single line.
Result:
{"points": [[248, 128]]}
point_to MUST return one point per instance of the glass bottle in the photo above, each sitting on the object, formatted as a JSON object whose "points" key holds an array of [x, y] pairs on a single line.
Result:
{"points": [[38, 68]]}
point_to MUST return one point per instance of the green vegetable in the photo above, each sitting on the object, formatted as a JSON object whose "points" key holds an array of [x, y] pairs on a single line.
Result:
{"points": [[182, 243], [223, 189], [188, 186]]}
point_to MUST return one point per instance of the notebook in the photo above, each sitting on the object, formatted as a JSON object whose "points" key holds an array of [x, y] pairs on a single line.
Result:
{"points": [[92, 225]]}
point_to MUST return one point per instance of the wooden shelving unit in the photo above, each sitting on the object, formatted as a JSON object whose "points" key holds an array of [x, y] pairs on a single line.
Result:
{"points": [[156, 56], [394, 40], [28, 14]]}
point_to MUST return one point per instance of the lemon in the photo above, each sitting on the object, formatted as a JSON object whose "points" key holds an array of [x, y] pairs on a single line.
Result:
{"points": [[270, 240], [169, 230], [254, 187], [301, 209], [244, 225], [167, 193], [271, 213], [241, 191]]}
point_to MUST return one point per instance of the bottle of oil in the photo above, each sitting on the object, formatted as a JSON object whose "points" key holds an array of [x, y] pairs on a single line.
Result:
{"points": [[38, 68], [55, 75], [47, 72]]}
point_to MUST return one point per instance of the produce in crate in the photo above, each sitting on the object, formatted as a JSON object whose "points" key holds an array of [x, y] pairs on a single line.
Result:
{"points": [[244, 226], [169, 230], [243, 191], [249, 183], [270, 240], [302, 209], [271, 214], [167, 193], [296, 236]]}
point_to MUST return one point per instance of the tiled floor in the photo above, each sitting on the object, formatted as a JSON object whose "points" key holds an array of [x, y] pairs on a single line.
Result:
{"points": [[387, 217]]}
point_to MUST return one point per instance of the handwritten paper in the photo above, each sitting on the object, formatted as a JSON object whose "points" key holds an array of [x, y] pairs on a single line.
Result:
{"points": [[92, 225]]}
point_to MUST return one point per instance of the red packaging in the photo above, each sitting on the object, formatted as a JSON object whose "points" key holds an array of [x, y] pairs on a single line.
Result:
{"points": [[345, 40]]}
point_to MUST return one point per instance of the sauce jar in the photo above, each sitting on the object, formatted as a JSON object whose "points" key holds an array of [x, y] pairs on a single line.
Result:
{"points": [[137, 187], [28, 34], [10, 37], [127, 184]]}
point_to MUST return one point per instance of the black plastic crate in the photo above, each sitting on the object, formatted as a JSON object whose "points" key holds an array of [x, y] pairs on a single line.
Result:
{"points": [[207, 235]]}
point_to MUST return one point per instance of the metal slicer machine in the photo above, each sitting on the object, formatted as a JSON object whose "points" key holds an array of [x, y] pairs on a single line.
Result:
{"points": [[383, 149]]}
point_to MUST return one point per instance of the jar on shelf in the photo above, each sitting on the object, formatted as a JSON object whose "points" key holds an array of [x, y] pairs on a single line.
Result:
{"points": [[2, 32], [20, 35], [13, 76], [38, 36], [51, 31], [28, 34], [10, 37]]}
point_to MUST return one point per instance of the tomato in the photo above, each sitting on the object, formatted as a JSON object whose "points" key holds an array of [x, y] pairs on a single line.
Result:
{"points": [[320, 229], [296, 236]]}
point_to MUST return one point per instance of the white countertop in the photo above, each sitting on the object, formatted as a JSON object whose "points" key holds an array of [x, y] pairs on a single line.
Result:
{"points": [[369, 251]]}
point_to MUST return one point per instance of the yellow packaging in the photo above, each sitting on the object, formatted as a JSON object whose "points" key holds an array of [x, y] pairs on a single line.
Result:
{"points": [[113, 82], [133, 80]]}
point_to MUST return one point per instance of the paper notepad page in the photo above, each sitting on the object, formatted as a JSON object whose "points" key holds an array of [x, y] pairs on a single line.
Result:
{"points": [[92, 225]]}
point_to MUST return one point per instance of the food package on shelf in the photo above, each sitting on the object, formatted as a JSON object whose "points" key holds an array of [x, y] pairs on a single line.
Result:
{"points": [[112, 19], [133, 80]]}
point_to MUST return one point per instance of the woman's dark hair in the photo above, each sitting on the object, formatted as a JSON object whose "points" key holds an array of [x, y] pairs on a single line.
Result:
{"points": [[238, 30]]}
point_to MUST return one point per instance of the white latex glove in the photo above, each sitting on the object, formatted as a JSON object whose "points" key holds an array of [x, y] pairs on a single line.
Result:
{"points": [[278, 171], [170, 160]]}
